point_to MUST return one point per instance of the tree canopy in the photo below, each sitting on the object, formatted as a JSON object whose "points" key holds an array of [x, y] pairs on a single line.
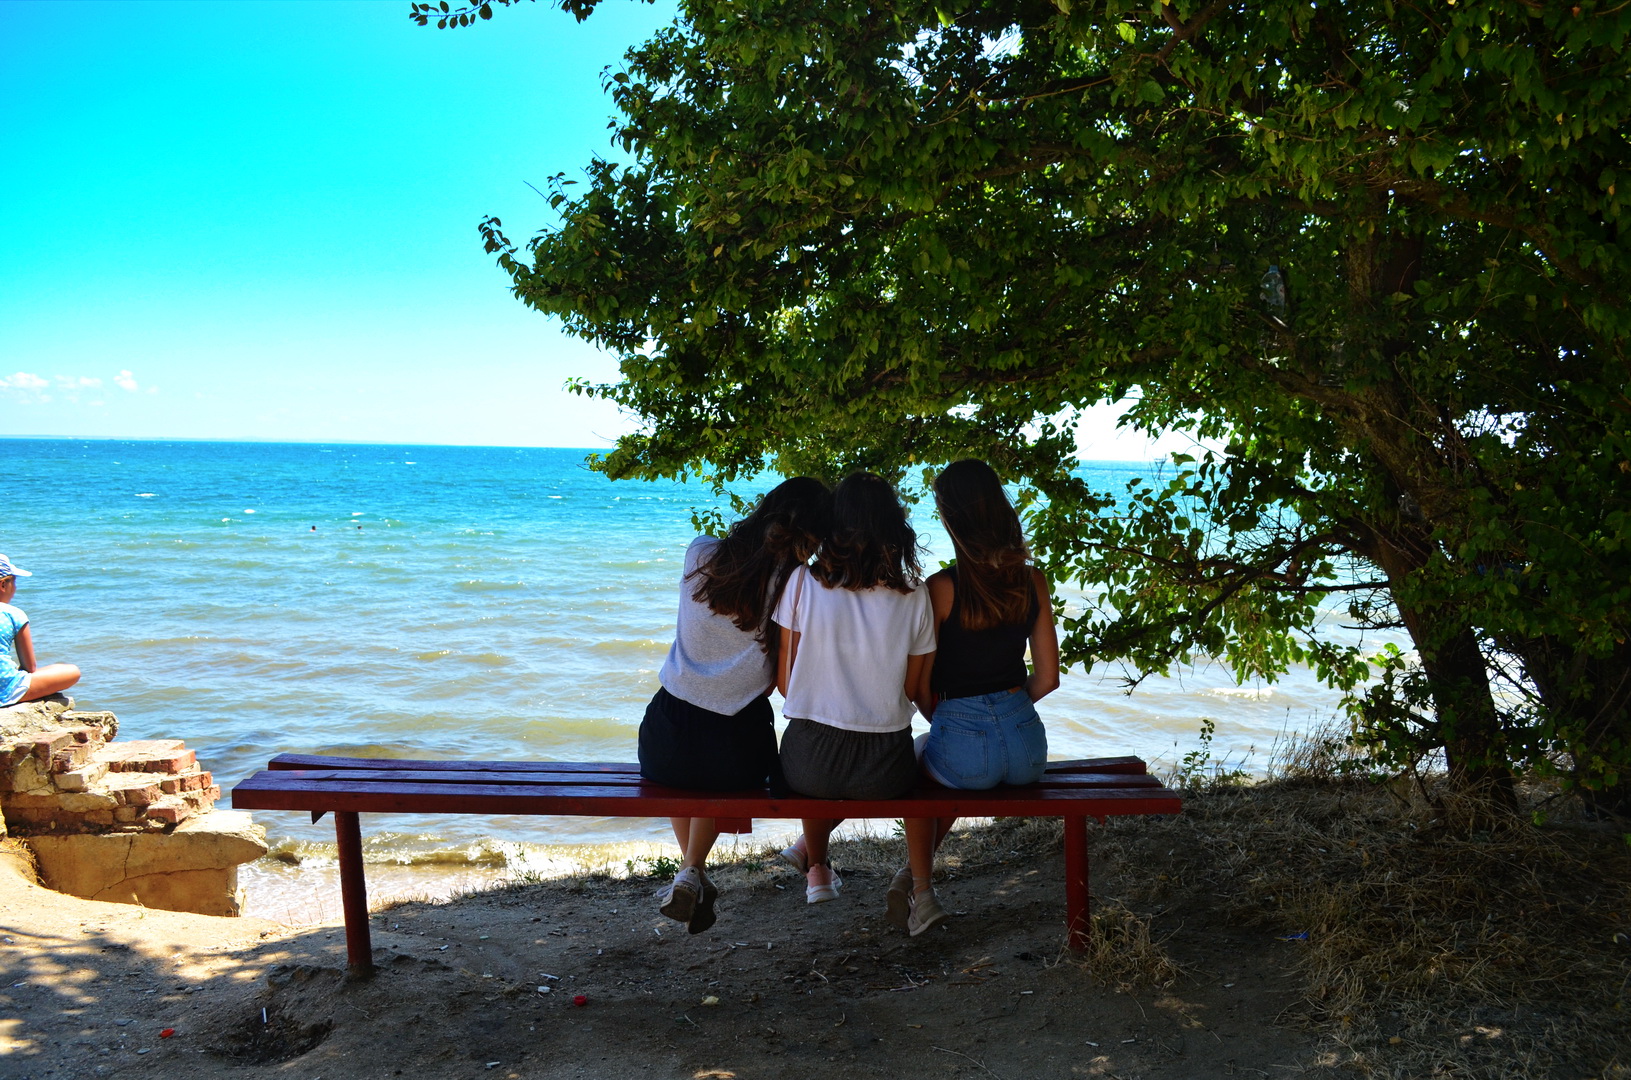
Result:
{"points": [[1373, 251]]}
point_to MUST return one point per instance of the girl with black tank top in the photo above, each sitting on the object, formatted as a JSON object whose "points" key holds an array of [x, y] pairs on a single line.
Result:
{"points": [[988, 608]]}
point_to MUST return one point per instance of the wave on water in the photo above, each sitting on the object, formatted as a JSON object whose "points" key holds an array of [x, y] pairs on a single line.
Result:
{"points": [[1244, 693], [635, 647]]}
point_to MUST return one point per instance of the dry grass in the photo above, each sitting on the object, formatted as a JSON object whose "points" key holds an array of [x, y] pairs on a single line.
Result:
{"points": [[1429, 951]]}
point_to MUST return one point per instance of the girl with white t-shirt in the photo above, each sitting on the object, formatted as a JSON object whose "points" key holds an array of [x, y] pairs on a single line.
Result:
{"points": [[857, 645]]}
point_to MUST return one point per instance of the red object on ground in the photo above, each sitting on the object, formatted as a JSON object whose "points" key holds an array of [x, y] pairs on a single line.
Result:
{"points": [[166, 1033], [580, 1001]]}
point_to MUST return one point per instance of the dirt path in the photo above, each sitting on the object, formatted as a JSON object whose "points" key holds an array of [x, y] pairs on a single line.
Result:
{"points": [[778, 988]]}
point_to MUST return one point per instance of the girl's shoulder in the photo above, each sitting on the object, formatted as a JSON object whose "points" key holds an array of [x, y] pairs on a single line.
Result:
{"points": [[15, 615]]}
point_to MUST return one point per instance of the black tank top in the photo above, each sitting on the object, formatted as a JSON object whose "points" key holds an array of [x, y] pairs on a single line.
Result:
{"points": [[969, 663]]}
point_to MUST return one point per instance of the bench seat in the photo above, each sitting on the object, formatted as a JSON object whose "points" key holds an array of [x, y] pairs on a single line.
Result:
{"points": [[1072, 790]]}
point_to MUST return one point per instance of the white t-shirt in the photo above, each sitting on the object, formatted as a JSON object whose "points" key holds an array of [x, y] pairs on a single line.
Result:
{"points": [[712, 664], [850, 670]]}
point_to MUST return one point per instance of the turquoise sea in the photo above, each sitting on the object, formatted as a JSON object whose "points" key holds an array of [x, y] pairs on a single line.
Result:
{"points": [[433, 601]]}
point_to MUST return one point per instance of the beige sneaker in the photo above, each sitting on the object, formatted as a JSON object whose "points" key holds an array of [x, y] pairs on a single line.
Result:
{"points": [[898, 899], [926, 913], [703, 917], [683, 895]]}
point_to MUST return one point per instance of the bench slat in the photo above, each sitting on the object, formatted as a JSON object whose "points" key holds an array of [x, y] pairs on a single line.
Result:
{"points": [[285, 791], [1119, 765], [627, 780]]}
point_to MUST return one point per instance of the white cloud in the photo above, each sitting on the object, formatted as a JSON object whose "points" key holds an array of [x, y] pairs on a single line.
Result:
{"points": [[126, 381], [78, 382], [22, 380]]}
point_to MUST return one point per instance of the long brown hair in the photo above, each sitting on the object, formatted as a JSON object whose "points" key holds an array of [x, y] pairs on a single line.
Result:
{"points": [[744, 576], [993, 563], [870, 543]]}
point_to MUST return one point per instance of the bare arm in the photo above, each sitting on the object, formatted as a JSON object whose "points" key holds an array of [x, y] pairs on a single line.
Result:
{"points": [[1044, 678], [917, 683], [941, 595], [784, 657], [25, 648]]}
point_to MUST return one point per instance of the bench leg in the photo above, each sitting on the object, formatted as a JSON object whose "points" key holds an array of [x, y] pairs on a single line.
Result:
{"points": [[359, 947], [1078, 922]]}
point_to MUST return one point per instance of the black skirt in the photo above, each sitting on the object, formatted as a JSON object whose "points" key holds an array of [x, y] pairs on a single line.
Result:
{"points": [[686, 746]]}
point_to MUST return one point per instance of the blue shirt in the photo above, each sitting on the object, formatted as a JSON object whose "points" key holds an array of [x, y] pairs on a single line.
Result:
{"points": [[13, 679]]}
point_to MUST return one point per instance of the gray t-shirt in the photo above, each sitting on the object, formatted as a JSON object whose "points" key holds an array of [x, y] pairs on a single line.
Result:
{"points": [[712, 664]]}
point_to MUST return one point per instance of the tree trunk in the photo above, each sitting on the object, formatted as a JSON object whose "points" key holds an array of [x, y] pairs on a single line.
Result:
{"points": [[1468, 724]]}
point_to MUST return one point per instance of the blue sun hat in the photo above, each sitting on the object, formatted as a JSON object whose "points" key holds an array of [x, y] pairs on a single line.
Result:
{"points": [[11, 569]]}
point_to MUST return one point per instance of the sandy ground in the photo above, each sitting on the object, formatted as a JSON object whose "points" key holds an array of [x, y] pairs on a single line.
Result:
{"points": [[778, 988]]}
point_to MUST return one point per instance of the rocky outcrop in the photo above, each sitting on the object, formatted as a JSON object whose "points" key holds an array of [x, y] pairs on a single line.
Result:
{"points": [[130, 822], [191, 868]]}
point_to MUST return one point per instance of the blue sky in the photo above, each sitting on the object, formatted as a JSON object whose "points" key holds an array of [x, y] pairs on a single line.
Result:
{"points": [[258, 220]]}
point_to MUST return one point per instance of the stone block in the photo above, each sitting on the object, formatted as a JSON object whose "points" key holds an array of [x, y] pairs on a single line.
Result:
{"points": [[71, 757], [25, 773], [168, 813], [82, 779], [47, 743], [33, 715], [148, 755], [132, 789], [73, 802], [191, 868], [105, 724]]}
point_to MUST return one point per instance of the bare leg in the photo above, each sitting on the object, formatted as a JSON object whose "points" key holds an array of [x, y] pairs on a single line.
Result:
{"points": [[682, 831], [942, 830], [922, 836], [803, 848], [816, 833], [50, 679], [701, 834]]}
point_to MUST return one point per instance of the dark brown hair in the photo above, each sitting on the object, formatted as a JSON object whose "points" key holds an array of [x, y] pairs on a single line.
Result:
{"points": [[744, 576], [870, 543], [993, 563]]}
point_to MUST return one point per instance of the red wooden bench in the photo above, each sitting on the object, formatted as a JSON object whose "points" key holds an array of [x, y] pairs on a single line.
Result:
{"points": [[1073, 790]]}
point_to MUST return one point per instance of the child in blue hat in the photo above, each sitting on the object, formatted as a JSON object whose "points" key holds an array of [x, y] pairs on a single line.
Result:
{"points": [[20, 680]]}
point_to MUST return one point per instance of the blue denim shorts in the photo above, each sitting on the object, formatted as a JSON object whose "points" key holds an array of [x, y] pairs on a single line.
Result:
{"points": [[980, 742]]}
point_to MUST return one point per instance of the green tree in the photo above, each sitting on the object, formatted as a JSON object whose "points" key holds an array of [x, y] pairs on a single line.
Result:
{"points": [[1373, 251]]}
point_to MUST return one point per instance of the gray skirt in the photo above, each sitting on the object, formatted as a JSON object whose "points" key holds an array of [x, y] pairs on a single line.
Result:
{"points": [[824, 762]]}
